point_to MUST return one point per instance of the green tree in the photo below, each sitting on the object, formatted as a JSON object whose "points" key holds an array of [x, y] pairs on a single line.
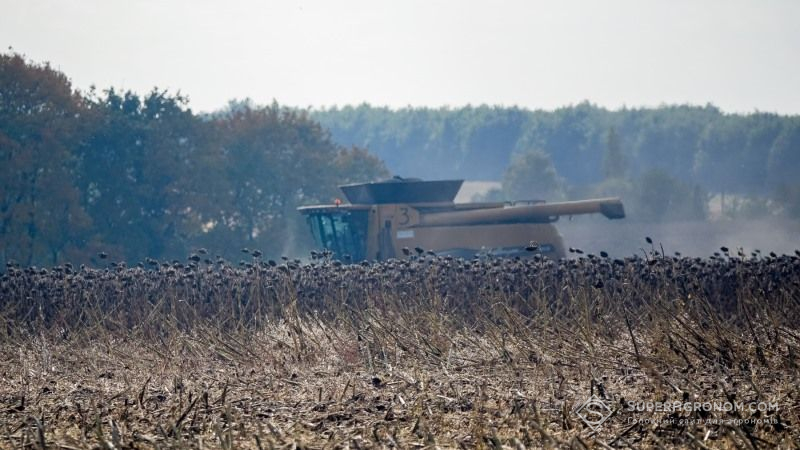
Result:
{"points": [[147, 174], [356, 165], [659, 197], [531, 175], [614, 162], [783, 162], [40, 213], [275, 160]]}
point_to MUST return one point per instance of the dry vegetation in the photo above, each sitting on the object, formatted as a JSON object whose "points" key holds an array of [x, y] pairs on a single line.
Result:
{"points": [[421, 352]]}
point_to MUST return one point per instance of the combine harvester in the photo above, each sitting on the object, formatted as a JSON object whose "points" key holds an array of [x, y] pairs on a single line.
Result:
{"points": [[383, 219]]}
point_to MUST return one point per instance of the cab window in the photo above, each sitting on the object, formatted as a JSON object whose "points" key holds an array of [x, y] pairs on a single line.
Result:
{"points": [[344, 233]]}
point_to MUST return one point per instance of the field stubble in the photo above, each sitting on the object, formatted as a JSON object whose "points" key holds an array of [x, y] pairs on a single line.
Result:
{"points": [[424, 352]]}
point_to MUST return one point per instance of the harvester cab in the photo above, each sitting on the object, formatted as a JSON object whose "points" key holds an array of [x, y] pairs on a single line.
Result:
{"points": [[383, 219]]}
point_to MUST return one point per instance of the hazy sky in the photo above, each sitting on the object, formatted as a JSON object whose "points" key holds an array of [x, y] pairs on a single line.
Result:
{"points": [[740, 55]]}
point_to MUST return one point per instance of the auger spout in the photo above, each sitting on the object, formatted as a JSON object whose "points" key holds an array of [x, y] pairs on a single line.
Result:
{"points": [[540, 213]]}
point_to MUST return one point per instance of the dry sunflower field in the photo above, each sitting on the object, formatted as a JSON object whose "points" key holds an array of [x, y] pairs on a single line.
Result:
{"points": [[421, 352]]}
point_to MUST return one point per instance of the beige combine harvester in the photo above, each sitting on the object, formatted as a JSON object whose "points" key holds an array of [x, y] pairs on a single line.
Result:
{"points": [[384, 219]]}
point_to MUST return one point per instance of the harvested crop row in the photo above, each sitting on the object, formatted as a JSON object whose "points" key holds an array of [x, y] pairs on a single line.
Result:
{"points": [[419, 352]]}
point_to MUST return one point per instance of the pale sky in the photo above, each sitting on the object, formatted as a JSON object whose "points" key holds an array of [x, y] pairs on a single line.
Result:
{"points": [[740, 55]]}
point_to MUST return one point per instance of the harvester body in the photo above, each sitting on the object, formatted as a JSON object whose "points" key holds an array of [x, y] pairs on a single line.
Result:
{"points": [[387, 219]]}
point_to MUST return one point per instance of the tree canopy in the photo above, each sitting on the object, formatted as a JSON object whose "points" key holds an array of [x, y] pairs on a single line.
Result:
{"points": [[138, 176], [733, 153]]}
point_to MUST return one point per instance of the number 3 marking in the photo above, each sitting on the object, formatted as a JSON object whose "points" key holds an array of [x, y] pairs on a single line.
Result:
{"points": [[404, 218]]}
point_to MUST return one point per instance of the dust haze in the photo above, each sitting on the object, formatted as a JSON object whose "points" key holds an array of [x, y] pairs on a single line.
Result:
{"points": [[689, 238]]}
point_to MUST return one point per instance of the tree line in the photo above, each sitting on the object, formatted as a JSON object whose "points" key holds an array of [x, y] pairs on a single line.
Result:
{"points": [[132, 176], [117, 175], [693, 151]]}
